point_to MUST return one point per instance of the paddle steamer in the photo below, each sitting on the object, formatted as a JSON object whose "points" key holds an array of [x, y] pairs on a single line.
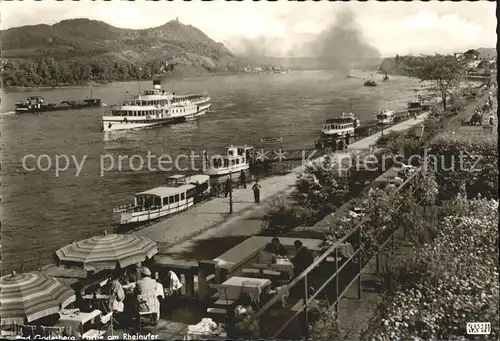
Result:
{"points": [[155, 107], [180, 193], [237, 158]]}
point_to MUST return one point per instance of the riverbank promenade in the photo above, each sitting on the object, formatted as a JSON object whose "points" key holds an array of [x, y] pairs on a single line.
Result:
{"points": [[215, 213]]}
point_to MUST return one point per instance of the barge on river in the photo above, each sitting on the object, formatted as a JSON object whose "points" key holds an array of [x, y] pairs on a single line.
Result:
{"points": [[155, 107], [35, 104], [180, 193]]}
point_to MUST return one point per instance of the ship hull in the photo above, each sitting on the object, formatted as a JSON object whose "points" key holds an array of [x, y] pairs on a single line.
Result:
{"points": [[113, 123], [227, 171], [127, 218], [46, 108]]}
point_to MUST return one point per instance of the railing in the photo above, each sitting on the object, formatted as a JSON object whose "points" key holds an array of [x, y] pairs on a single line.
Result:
{"points": [[357, 255], [123, 207]]}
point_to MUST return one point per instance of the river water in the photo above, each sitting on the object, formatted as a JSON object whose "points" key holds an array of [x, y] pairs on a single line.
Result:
{"points": [[42, 211]]}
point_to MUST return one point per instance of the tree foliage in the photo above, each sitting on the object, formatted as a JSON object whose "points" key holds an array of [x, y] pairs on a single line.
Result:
{"points": [[281, 217], [445, 71], [465, 163], [320, 186], [47, 71]]}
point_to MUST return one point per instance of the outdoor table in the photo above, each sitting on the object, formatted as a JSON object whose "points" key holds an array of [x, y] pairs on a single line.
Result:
{"points": [[235, 286], [73, 321], [99, 297], [283, 265], [206, 329]]}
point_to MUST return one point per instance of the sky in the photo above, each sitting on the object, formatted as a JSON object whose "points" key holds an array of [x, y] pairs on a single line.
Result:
{"points": [[279, 28]]}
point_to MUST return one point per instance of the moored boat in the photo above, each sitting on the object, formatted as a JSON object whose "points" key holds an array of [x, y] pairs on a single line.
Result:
{"points": [[35, 104], [338, 131], [417, 107], [386, 116], [236, 159], [155, 107], [180, 193]]}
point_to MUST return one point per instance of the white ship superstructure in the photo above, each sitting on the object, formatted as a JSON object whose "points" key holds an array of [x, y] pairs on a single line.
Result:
{"points": [[340, 126], [386, 116], [237, 159], [155, 107]]}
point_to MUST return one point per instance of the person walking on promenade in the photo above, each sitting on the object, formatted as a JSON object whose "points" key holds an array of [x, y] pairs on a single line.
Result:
{"points": [[256, 192], [243, 179], [226, 187]]}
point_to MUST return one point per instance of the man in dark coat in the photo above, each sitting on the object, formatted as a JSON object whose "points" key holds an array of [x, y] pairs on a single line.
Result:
{"points": [[243, 179], [256, 192], [303, 258], [227, 188]]}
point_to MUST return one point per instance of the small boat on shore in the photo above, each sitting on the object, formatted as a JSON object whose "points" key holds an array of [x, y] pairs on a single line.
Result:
{"points": [[35, 104], [180, 193], [236, 159]]}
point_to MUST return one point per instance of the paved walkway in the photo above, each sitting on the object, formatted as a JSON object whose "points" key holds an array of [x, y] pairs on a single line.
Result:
{"points": [[211, 219]]}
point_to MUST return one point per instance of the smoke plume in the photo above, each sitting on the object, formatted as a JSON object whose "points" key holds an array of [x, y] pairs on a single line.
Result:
{"points": [[342, 46]]}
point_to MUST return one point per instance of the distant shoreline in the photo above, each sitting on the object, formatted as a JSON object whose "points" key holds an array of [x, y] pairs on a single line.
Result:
{"points": [[7, 89], [11, 89]]}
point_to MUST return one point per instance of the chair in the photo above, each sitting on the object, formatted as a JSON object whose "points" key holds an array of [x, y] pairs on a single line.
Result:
{"points": [[52, 332], [251, 272], [7, 334], [149, 306], [108, 321], [26, 330], [260, 266], [219, 313], [271, 274]]}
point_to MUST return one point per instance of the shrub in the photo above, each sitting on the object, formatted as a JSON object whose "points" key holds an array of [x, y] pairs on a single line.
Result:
{"points": [[465, 163], [281, 217], [325, 326], [320, 186], [445, 284]]}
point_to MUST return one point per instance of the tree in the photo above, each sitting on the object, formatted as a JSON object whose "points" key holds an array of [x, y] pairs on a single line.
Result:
{"points": [[320, 186], [444, 70], [471, 54]]}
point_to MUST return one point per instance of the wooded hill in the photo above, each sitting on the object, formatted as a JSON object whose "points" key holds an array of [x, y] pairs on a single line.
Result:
{"points": [[82, 50]]}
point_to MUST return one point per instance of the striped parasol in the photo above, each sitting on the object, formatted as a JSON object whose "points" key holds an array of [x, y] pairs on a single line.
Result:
{"points": [[107, 252], [30, 296]]}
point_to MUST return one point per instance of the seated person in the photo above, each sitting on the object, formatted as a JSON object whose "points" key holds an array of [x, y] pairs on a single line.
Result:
{"points": [[303, 258], [116, 294], [275, 247], [146, 291], [266, 257], [243, 312]]}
